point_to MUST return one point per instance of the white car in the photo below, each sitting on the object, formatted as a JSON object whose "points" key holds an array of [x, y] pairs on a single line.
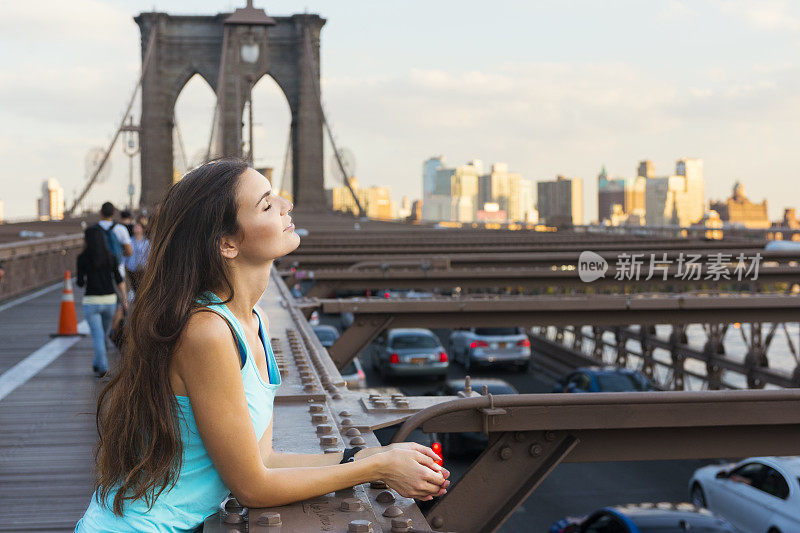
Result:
{"points": [[756, 495]]}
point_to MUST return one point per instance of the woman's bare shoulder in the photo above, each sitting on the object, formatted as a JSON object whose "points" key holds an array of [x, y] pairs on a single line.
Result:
{"points": [[204, 338]]}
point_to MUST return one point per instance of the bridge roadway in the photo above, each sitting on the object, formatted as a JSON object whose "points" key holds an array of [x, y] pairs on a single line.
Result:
{"points": [[48, 434], [573, 488]]}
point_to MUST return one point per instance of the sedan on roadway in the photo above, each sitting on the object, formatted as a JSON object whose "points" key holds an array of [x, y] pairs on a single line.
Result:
{"points": [[645, 518], [485, 346], [756, 495], [409, 352], [604, 379]]}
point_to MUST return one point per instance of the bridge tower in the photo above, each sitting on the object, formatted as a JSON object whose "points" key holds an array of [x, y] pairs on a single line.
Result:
{"points": [[232, 52]]}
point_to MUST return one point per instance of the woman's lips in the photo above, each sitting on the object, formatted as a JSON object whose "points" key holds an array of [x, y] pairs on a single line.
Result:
{"points": [[290, 227]]}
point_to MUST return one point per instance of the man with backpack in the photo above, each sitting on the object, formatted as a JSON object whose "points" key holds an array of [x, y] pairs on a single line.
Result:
{"points": [[117, 237], [119, 244]]}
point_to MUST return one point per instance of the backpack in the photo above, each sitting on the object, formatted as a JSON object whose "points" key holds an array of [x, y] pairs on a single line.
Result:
{"points": [[114, 246]]}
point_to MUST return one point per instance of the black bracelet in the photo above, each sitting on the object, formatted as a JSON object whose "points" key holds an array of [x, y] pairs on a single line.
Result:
{"points": [[349, 454]]}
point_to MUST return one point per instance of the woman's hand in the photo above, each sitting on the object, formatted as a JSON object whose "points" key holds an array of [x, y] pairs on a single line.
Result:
{"points": [[366, 452], [412, 473]]}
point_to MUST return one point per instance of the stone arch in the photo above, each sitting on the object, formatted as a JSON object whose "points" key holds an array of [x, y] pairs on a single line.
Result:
{"points": [[186, 45], [272, 104]]}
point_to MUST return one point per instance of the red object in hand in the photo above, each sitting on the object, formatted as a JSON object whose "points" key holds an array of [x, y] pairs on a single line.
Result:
{"points": [[437, 449]]}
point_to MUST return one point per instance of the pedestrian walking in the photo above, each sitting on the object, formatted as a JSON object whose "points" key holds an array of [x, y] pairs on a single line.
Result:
{"points": [[98, 271]]}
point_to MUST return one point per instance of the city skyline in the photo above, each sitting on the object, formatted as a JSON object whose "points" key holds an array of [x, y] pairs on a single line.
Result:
{"points": [[545, 101]]}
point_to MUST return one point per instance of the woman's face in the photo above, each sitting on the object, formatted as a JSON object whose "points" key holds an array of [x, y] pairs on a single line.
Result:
{"points": [[266, 229], [138, 231]]}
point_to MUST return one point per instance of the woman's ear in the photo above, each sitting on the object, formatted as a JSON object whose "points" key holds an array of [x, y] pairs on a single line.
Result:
{"points": [[228, 247]]}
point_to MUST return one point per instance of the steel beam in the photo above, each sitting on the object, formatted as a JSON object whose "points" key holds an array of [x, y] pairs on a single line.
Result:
{"points": [[522, 460], [600, 310], [528, 279], [565, 257]]}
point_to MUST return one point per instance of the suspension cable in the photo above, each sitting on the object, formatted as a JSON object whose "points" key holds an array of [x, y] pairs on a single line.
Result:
{"points": [[147, 57]]}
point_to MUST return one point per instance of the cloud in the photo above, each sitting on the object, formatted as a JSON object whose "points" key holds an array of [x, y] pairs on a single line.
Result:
{"points": [[677, 10], [764, 14]]}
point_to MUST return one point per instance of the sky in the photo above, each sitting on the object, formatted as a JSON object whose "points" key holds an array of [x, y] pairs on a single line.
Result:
{"points": [[549, 87]]}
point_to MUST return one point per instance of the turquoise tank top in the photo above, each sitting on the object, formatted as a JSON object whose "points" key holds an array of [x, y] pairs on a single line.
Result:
{"points": [[199, 489]]}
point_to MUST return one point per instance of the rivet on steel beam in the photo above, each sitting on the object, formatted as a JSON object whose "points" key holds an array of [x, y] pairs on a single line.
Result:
{"points": [[377, 484], [352, 432], [535, 450], [549, 436], [392, 511], [401, 525], [467, 385], [402, 403], [336, 396], [328, 440], [309, 388], [344, 414], [437, 522], [316, 408], [324, 429], [359, 526], [505, 453], [347, 422], [519, 436], [385, 496], [381, 404], [357, 441], [269, 519], [319, 418], [332, 450], [352, 504]]}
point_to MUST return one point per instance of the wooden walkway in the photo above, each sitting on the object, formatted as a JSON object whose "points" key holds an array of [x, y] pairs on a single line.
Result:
{"points": [[46, 425]]}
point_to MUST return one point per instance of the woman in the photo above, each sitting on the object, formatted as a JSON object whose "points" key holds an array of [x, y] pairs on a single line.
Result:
{"points": [[98, 271], [188, 417]]}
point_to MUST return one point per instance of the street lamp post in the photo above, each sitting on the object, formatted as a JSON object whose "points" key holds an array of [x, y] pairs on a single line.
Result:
{"points": [[131, 148]]}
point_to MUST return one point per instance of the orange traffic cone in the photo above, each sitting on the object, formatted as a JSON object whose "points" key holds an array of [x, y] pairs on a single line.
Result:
{"points": [[68, 321]]}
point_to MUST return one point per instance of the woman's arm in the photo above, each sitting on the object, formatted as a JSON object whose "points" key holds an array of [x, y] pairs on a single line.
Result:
{"points": [[273, 459], [209, 366]]}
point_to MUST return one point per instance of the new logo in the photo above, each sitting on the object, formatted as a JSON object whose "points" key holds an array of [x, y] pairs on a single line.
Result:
{"points": [[591, 266]]}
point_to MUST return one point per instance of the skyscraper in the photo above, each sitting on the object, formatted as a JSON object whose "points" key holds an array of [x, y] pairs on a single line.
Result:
{"points": [[560, 202], [610, 192], [504, 188], [678, 199], [51, 205], [452, 192]]}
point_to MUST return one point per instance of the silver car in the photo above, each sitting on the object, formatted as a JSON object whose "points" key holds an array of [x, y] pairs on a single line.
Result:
{"points": [[484, 346], [409, 352]]}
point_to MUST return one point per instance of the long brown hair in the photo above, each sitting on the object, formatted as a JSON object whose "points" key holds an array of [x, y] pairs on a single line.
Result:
{"points": [[139, 450]]}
